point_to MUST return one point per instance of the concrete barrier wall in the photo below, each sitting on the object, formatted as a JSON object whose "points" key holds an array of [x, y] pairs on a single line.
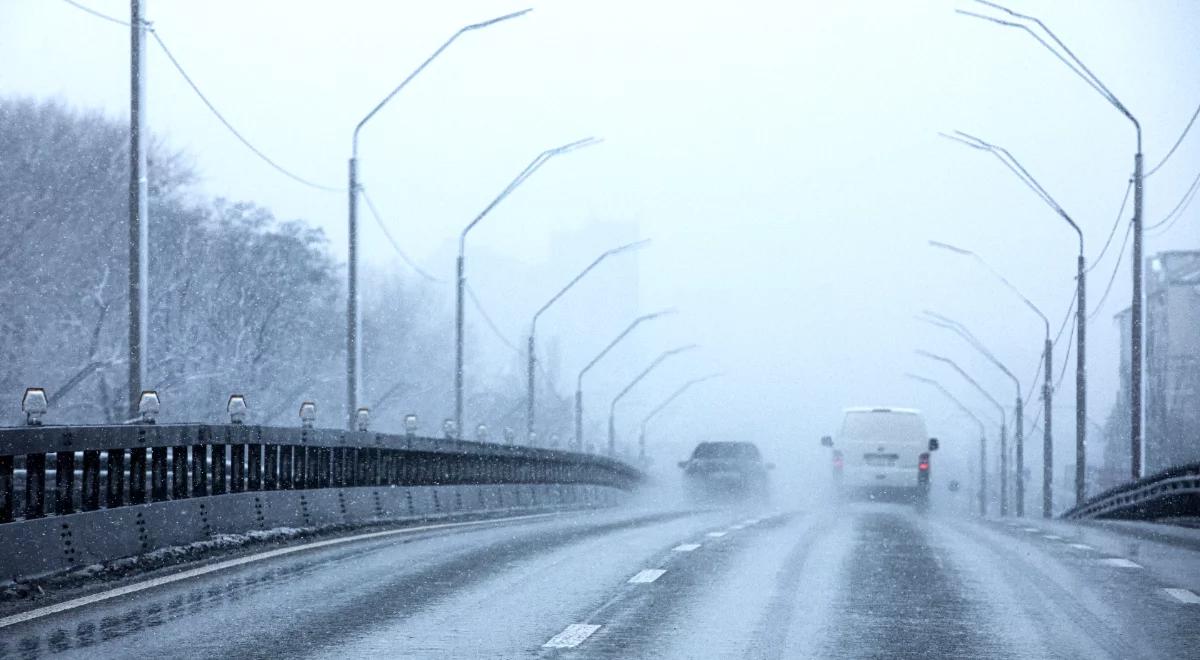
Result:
{"points": [[46, 545]]}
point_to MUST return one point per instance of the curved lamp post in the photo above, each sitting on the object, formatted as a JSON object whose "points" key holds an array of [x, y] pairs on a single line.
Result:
{"points": [[612, 407], [959, 329], [1003, 424], [662, 406], [532, 167], [531, 394], [583, 372], [1047, 387], [982, 437], [1080, 302], [1135, 324], [353, 313]]}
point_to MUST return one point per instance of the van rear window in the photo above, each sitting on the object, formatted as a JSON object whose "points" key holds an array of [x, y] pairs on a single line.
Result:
{"points": [[883, 425]]}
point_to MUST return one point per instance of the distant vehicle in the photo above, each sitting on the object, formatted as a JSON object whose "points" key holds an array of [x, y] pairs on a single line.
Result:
{"points": [[882, 453], [725, 469]]}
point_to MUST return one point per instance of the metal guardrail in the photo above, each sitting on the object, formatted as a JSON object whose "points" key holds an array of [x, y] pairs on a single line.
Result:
{"points": [[1172, 493], [107, 467]]}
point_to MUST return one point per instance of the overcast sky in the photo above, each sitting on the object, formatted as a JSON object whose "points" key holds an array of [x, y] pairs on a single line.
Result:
{"points": [[783, 156]]}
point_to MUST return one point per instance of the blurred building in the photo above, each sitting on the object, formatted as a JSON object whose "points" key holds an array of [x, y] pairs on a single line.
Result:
{"points": [[1172, 359], [1172, 363]]}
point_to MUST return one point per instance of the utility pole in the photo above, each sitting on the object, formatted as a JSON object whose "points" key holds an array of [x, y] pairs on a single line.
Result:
{"points": [[1135, 321], [1047, 437], [1081, 384], [139, 230]]}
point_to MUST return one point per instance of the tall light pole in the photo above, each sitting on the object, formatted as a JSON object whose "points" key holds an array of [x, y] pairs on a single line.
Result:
{"points": [[1080, 302], [982, 437], [962, 331], [1136, 314], [1047, 386], [353, 313], [461, 262], [662, 406], [1003, 424], [531, 395], [583, 372], [139, 220], [612, 407]]}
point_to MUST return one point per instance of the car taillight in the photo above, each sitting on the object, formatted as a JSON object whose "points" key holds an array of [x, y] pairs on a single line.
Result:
{"points": [[923, 465], [837, 460]]}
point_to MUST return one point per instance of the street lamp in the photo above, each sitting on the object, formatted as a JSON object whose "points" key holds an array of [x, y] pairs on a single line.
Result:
{"points": [[660, 407], [1003, 425], [353, 313], [532, 167], [982, 438], [612, 407], [959, 329], [1135, 323], [1047, 387], [1080, 303], [583, 372], [531, 395]]}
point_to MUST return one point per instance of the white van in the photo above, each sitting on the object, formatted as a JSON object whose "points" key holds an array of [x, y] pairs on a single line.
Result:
{"points": [[882, 452]]}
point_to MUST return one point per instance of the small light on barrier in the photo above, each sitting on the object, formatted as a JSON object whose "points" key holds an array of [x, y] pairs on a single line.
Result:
{"points": [[362, 418], [237, 409], [149, 406], [308, 414], [410, 425], [34, 405]]}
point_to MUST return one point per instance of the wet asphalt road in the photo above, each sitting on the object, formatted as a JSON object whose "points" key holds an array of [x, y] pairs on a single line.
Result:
{"points": [[863, 581]]}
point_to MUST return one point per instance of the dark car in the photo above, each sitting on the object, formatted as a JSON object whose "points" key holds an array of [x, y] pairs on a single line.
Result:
{"points": [[725, 469]]}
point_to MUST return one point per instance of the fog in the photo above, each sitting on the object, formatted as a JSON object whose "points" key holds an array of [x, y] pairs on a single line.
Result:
{"points": [[783, 158]]}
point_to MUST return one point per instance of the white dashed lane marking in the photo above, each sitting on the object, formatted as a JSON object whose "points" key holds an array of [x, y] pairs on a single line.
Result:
{"points": [[1183, 596], [1052, 537], [1032, 530], [571, 636], [1119, 562], [736, 527], [646, 576], [715, 535], [1082, 546], [685, 547]]}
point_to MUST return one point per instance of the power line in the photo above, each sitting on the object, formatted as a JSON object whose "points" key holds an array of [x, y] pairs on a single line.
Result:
{"points": [[1113, 231], [1054, 344], [1113, 278], [395, 246], [1177, 143], [1176, 212], [97, 14], [195, 88], [488, 320]]}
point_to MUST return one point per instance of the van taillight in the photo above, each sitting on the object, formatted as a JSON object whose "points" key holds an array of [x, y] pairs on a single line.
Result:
{"points": [[837, 460], [923, 465]]}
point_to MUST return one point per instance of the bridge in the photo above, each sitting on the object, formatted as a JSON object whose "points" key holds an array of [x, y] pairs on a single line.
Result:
{"points": [[240, 540]]}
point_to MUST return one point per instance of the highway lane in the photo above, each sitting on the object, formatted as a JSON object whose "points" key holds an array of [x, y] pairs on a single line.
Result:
{"points": [[859, 581]]}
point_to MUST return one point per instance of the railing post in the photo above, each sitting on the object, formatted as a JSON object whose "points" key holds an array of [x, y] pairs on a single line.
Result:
{"points": [[137, 475], [64, 482], [285, 467], [35, 485], [200, 468], [271, 467], [179, 472], [158, 474], [6, 489], [89, 493], [114, 494]]}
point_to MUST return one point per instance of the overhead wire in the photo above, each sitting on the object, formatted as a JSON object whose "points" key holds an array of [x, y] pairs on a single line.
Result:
{"points": [[1113, 231], [1113, 277], [1176, 145], [1176, 212], [204, 99], [395, 245]]}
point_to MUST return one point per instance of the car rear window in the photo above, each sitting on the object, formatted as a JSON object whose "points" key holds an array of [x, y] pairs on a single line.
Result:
{"points": [[726, 450]]}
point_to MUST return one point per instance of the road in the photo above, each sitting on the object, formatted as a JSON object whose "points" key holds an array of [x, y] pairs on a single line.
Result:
{"points": [[863, 580]]}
